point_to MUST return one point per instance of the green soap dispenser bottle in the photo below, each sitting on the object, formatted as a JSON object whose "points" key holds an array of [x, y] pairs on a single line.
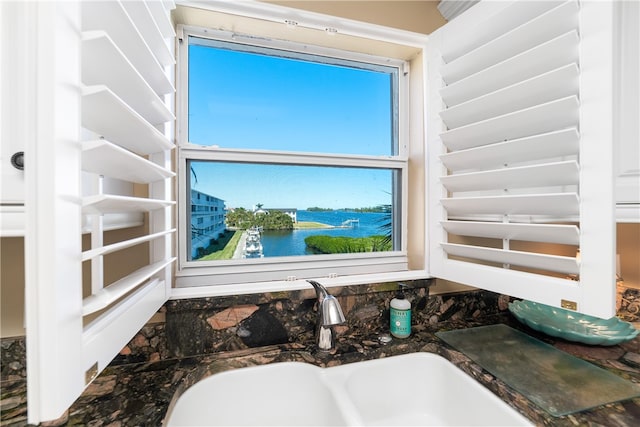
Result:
{"points": [[400, 315]]}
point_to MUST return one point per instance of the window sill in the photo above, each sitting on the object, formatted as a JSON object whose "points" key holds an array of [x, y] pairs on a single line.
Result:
{"points": [[278, 286]]}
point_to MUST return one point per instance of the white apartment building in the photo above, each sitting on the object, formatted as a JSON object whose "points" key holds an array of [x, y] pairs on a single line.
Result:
{"points": [[207, 220]]}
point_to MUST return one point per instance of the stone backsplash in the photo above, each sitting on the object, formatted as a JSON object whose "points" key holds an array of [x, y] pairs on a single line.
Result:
{"points": [[210, 325]]}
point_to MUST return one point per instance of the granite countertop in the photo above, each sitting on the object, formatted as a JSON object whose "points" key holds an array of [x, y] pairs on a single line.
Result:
{"points": [[141, 394]]}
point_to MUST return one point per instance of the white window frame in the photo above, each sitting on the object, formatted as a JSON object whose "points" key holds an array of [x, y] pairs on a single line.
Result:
{"points": [[198, 278]]}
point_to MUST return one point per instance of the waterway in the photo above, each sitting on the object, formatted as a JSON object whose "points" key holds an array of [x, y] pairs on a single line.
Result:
{"points": [[291, 243]]}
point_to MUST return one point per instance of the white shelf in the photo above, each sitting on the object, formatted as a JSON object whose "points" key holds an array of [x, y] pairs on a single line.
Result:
{"points": [[550, 145], [543, 58], [141, 15], [556, 84], [161, 18], [112, 293], [558, 264], [110, 16], [628, 213], [12, 221], [107, 159], [541, 29], [503, 21], [555, 115], [107, 203], [543, 175], [551, 233], [107, 115], [557, 205], [111, 222], [104, 250], [103, 63]]}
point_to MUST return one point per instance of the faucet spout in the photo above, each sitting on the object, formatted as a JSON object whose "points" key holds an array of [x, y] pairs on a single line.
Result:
{"points": [[329, 315], [321, 291]]}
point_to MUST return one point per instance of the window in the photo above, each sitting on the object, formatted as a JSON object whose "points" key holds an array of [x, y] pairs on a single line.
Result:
{"points": [[337, 209], [303, 150]]}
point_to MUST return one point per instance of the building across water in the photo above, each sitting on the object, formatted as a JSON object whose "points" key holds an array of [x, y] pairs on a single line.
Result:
{"points": [[292, 212], [207, 221]]}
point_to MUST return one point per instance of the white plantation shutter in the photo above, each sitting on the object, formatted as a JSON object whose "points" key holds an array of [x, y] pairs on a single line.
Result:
{"points": [[519, 152], [100, 161]]}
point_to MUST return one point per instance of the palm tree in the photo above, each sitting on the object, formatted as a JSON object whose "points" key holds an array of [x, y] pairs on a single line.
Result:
{"points": [[195, 177], [386, 225]]}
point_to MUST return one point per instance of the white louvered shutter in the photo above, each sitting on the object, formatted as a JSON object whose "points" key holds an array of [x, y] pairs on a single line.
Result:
{"points": [[519, 136], [100, 161]]}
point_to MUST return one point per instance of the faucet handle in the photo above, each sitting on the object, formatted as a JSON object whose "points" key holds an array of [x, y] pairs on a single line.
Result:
{"points": [[329, 315], [331, 311], [328, 306]]}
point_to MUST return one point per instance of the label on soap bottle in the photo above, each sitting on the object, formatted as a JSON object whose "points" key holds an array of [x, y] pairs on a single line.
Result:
{"points": [[400, 326]]}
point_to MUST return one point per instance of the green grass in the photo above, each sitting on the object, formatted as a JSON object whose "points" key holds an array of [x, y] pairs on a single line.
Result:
{"points": [[224, 249], [310, 224], [342, 245]]}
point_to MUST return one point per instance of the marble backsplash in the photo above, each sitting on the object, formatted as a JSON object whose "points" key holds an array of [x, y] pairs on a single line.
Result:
{"points": [[209, 325]]}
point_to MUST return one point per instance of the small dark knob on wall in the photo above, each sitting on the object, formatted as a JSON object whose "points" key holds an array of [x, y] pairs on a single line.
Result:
{"points": [[17, 160]]}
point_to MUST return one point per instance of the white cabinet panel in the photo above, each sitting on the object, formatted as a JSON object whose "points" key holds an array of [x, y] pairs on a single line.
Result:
{"points": [[14, 125], [627, 107], [76, 327], [519, 136]]}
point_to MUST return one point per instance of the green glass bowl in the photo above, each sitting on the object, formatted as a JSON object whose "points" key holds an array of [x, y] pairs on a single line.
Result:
{"points": [[572, 326]]}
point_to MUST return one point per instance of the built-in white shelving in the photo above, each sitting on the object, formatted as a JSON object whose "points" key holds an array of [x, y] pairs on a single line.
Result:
{"points": [[115, 291], [543, 58], [12, 221], [107, 115], [158, 12], [101, 168], [104, 250], [544, 262], [110, 222], [501, 22], [112, 18], [550, 233], [556, 84], [522, 91], [554, 23], [107, 159], [544, 175], [146, 25], [554, 115], [543, 146], [107, 203], [554, 205], [103, 63]]}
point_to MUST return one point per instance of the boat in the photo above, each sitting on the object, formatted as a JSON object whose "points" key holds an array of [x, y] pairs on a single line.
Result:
{"points": [[253, 244]]}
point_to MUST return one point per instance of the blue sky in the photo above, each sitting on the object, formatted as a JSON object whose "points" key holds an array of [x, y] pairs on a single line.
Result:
{"points": [[245, 185], [242, 100]]}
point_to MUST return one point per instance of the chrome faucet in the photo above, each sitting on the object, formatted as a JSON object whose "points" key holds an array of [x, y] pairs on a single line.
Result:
{"points": [[329, 315]]}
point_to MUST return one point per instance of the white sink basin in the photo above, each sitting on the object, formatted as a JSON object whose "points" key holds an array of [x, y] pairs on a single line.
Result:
{"points": [[412, 389]]}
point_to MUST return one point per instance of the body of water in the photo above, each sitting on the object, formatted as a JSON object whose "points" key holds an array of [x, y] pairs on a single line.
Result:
{"points": [[291, 243]]}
